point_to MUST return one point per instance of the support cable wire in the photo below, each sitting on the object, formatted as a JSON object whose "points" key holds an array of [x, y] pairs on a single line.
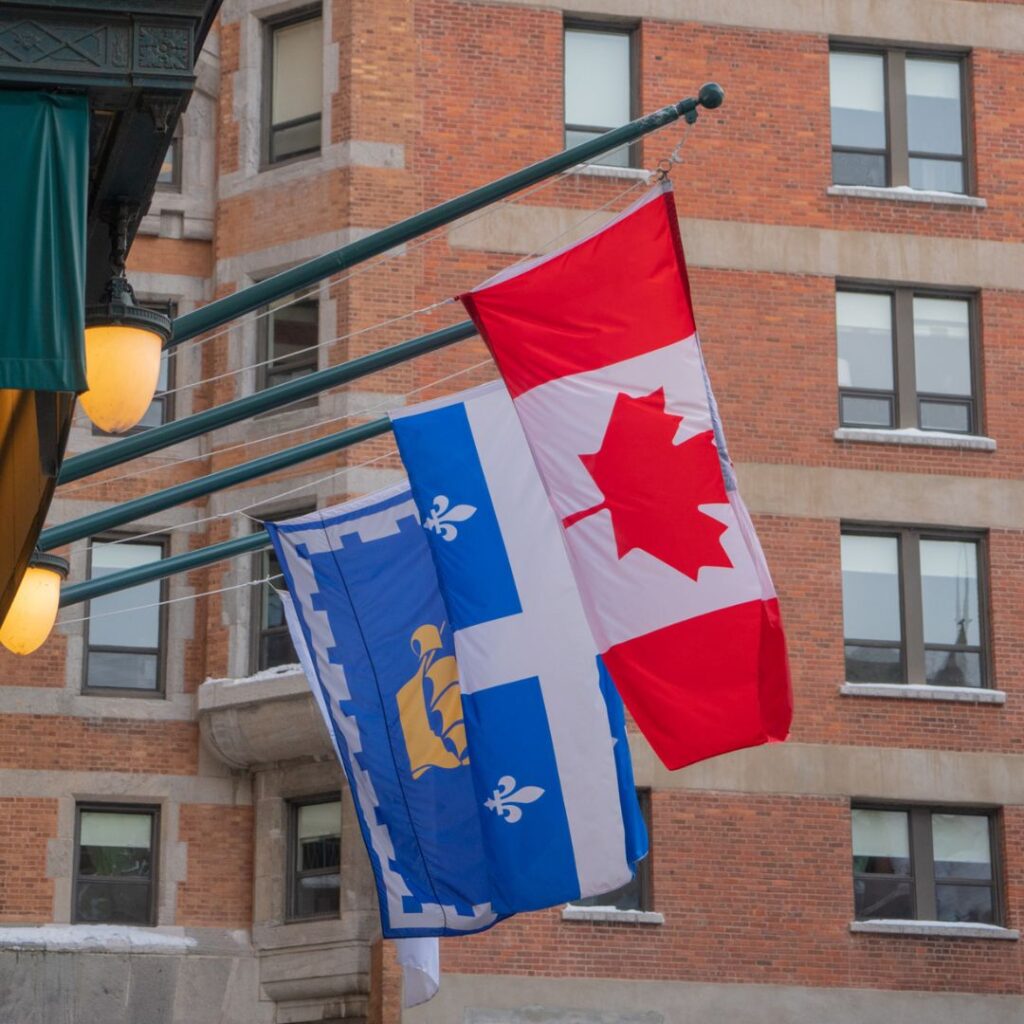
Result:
{"points": [[171, 600], [72, 489], [400, 250], [423, 310]]}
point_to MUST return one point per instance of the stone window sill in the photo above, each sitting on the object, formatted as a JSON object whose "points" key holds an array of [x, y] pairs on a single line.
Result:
{"points": [[913, 436], [905, 194], [907, 691], [609, 171], [937, 929], [611, 914]]}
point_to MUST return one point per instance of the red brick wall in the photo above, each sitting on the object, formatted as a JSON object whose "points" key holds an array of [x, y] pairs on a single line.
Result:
{"points": [[26, 894], [217, 892]]}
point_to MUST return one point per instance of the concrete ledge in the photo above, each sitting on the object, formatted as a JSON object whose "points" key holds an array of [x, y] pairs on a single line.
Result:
{"points": [[609, 171], [936, 929], [261, 719], [913, 436], [905, 194], [613, 915], [907, 691]]}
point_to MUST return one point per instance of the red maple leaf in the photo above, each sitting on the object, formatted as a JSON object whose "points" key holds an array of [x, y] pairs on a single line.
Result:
{"points": [[652, 487]]}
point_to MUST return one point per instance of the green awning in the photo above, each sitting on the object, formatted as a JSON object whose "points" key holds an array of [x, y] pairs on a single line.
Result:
{"points": [[44, 176]]}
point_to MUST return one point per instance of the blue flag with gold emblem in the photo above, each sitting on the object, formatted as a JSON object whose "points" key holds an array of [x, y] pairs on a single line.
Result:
{"points": [[378, 650]]}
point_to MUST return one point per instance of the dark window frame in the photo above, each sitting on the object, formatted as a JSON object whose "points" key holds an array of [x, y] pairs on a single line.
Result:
{"points": [[922, 861], [169, 307], [260, 569], [153, 810], [643, 879], [310, 359], [627, 27], [912, 644], [160, 691], [293, 874], [897, 153], [905, 400], [270, 26]]}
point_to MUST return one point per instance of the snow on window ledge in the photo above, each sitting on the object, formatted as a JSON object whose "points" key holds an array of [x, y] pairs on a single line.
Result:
{"points": [[611, 171], [909, 691], [937, 929], [906, 194], [914, 436], [611, 914], [106, 938]]}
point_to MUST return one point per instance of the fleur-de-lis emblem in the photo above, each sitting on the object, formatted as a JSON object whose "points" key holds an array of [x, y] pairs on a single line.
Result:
{"points": [[443, 514], [506, 798]]}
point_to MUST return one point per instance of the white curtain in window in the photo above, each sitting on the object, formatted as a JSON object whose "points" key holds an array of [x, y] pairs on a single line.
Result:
{"points": [[112, 828], [298, 71]]}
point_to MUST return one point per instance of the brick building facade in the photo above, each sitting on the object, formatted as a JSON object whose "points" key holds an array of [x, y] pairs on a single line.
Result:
{"points": [[854, 227]]}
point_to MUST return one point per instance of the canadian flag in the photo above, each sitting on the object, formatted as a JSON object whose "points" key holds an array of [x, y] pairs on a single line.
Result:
{"points": [[598, 348]]}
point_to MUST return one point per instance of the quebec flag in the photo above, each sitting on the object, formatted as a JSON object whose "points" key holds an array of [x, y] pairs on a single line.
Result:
{"points": [[547, 746], [371, 630]]}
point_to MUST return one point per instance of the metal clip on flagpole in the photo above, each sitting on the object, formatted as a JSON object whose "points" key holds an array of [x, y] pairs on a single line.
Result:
{"points": [[710, 96]]}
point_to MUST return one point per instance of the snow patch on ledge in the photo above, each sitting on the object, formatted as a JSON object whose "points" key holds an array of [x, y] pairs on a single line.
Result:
{"points": [[917, 691], [611, 914], [916, 436], [104, 938], [906, 194], [939, 929], [277, 672]]}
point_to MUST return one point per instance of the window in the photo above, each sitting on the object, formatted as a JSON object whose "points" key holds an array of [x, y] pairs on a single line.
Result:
{"points": [[906, 359], [315, 853], [636, 893], [170, 170], [124, 639], [925, 864], [289, 335], [114, 865], [273, 642], [912, 610], [294, 93], [599, 87], [898, 119]]}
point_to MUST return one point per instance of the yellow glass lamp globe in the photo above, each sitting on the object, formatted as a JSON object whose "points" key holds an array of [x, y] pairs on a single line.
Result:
{"points": [[33, 611], [122, 367]]}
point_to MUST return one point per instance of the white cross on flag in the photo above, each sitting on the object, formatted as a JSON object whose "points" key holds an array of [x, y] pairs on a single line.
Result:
{"points": [[598, 348]]}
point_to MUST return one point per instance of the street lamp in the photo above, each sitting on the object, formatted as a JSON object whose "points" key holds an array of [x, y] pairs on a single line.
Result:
{"points": [[123, 342], [34, 609]]}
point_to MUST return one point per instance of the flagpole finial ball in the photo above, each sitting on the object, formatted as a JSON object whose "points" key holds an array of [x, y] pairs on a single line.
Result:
{"points": [[711, 95]]}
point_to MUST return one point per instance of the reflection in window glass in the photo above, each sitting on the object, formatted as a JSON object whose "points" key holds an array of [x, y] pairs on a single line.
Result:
{"points": [[124, 627], [942, 346], [881, 864], [949, 595], [871, 609], [291, 335], [963, 867], [597, 87], [857, 90], [934, 124], [864, 329], [114, 867], [316, 851], [275, 642]]}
